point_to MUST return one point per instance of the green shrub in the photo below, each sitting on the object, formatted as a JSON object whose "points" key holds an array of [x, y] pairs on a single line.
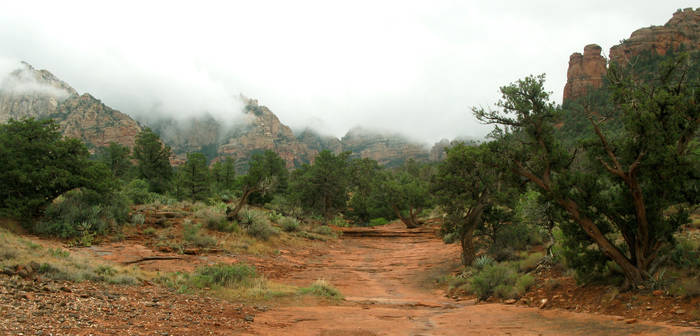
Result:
{"points": [[261, 228], [378, 221], [224, 275], [191, 233], [322, 288], [138, 219], [686, 253], [215, 220], [530, 263], [150, 231], [483, 261], [500, 281], [324, 230], [289, 224], [83, 212], [137, 191]]}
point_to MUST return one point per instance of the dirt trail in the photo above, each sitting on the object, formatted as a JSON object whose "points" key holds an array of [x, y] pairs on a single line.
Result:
{"points": [[384, 274]]}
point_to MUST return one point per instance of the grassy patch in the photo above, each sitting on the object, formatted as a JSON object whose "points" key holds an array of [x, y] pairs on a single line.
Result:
{"points": [[322, 288], [192, 235], [60, 264]]}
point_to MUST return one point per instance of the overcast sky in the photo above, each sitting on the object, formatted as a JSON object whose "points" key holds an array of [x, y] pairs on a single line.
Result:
{"points": [[415, 67]]}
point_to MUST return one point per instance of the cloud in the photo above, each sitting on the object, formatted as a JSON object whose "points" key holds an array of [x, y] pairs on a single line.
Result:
{"points": [[411, 67], [19, 78]]}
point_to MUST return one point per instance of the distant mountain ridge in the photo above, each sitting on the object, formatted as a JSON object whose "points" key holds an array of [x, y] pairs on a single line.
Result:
{"points": [[28, 92]]}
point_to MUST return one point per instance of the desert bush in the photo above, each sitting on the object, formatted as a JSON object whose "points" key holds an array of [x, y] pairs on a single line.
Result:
{"points": [[224, 275], [324, 230], [686, 288], [322, 288], [530, 262], [483, 261], [378, 221], [150, 231], [138, 219], [137, 191], [289, 224], [500, 281], [191, 234], [261, 228], [686, 253], [83, 213], [215, 220]]}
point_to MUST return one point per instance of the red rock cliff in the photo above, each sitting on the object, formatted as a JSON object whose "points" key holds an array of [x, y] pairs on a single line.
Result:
{"points": [[585, 71], [588, 70]]}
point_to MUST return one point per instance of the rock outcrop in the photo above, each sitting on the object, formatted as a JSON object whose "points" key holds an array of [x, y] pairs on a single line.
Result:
{"points": [[31, 93], [387, 149], [682, 31], [264, 131], [585, 71]]}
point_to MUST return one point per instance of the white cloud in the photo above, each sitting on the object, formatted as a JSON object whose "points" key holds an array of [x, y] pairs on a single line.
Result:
{"points": [[410, 66]]}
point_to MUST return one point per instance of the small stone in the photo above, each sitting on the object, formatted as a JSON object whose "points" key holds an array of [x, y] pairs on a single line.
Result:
{"points": [[249, 318], [658, 292], [648, 307], [679, 312], [65, 289], [543, 303], [510, 301], [631, 321]]}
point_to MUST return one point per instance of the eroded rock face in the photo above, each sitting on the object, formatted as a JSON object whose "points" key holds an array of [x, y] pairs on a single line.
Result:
{"points": [[387, 149], [683, 29], [585, 70], [28, 92], [588, 69], [264, 131]]}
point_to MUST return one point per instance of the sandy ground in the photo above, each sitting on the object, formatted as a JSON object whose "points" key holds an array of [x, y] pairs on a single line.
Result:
{"points": [[385, 275]]}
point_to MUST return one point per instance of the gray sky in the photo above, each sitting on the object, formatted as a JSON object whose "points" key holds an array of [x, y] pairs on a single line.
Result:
{"points": [[414, 67]]}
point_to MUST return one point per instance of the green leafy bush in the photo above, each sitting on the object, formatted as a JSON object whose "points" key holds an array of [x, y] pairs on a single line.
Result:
{"points": [[191, 233], [378, 221], [137, 191], [501, 281], [289, 224], [138, 219], [82, 212], [215, 220]]}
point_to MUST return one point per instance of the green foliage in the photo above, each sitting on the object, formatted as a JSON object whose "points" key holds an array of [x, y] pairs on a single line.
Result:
{"points": [[137, 191], [138, 219], [501, 281], [84, 213], [378, 221], [223, 275], [224, 175], [482, 261], [191, 234], [618, 179], [366, 178], [322, 288], [116, 158], [289, 224], [405, 191], [38, 165], [195, 174], [153, 161], [323, 187], [686, 254], [257, 225]]}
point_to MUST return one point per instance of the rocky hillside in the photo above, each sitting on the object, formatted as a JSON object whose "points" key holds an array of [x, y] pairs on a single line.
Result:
{"points": [[387, 149], [588, 69], [28, 92]]}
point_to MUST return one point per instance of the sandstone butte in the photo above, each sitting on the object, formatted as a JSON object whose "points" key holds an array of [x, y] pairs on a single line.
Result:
{"points": [[588, 69]]}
